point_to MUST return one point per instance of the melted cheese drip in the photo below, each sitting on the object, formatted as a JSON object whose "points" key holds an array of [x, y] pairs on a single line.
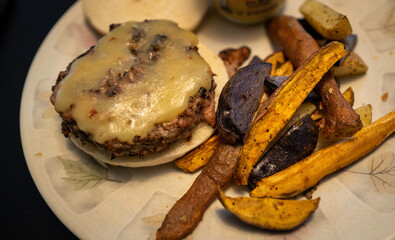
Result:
{"points": [[158, 95]]}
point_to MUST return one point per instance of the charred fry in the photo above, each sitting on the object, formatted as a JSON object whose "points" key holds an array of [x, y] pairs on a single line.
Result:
{"points": [[306, 173], [234, 57], [296, 144]]}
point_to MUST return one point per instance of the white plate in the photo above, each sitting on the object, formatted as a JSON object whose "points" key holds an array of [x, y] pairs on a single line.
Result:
{"points": [[119, 203]]}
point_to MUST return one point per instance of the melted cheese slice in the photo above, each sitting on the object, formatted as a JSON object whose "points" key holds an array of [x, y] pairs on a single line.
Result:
{"points": [[107, 105]]}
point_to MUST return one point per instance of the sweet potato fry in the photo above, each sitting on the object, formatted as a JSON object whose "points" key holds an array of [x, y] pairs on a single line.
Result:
{"points": [[198, 157], [276, 59], [234, 57], [269, 213], [298, 45], [348, 95], [309, 171], [282, 104], [285, 69], [188, 210]]}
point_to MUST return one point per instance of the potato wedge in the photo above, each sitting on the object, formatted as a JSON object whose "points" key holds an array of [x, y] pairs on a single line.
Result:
{"points": [[269, 213], [306, 173], [296, 144], [282, 104], [326, 21], [198, 157], [352, 65], [301, 112], [365, 112], [239, 100], [255, 59]]}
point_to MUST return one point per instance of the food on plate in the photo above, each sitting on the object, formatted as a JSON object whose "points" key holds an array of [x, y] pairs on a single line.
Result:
{"points": [[239, 100], [187, 212], [255, 59], [298, 45], [306, 173], [143, 91], [365, 112], [296, 144], [276, 59], [234, 57], [102, 13], [273, 82], [270, 213], [348, 94], [349, 44], [282, 104], [198, 157], [284, 69], [326, 21], [352, 65]]}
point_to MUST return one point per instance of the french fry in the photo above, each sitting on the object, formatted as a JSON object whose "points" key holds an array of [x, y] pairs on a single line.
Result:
{"points": [[352, 65], [348, 95], [306, 173], [187, 212], [198, 157], [326, 21], [276, 59], [365, 112], [282, 104], [269, 213], [286, 69]]}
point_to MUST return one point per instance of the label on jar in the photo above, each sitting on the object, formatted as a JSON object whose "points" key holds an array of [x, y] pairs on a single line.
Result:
{"points": [[248, 11]]}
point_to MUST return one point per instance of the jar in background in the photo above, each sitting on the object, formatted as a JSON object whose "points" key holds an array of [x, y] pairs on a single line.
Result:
{"points": [[248, 11]]}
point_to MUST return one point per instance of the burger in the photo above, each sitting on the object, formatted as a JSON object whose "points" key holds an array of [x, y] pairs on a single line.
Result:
{"points": [[144, 95]]}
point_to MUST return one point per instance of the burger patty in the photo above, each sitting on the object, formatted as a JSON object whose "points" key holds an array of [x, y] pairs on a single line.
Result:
{"points": [[200, 107]]}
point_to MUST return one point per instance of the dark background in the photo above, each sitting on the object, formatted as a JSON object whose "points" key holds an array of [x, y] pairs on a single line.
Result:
{"points": [[24, 25]]}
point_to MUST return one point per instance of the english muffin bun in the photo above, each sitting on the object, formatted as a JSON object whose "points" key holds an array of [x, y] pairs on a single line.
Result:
{"points": [[102, 13], [143, 96]]}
